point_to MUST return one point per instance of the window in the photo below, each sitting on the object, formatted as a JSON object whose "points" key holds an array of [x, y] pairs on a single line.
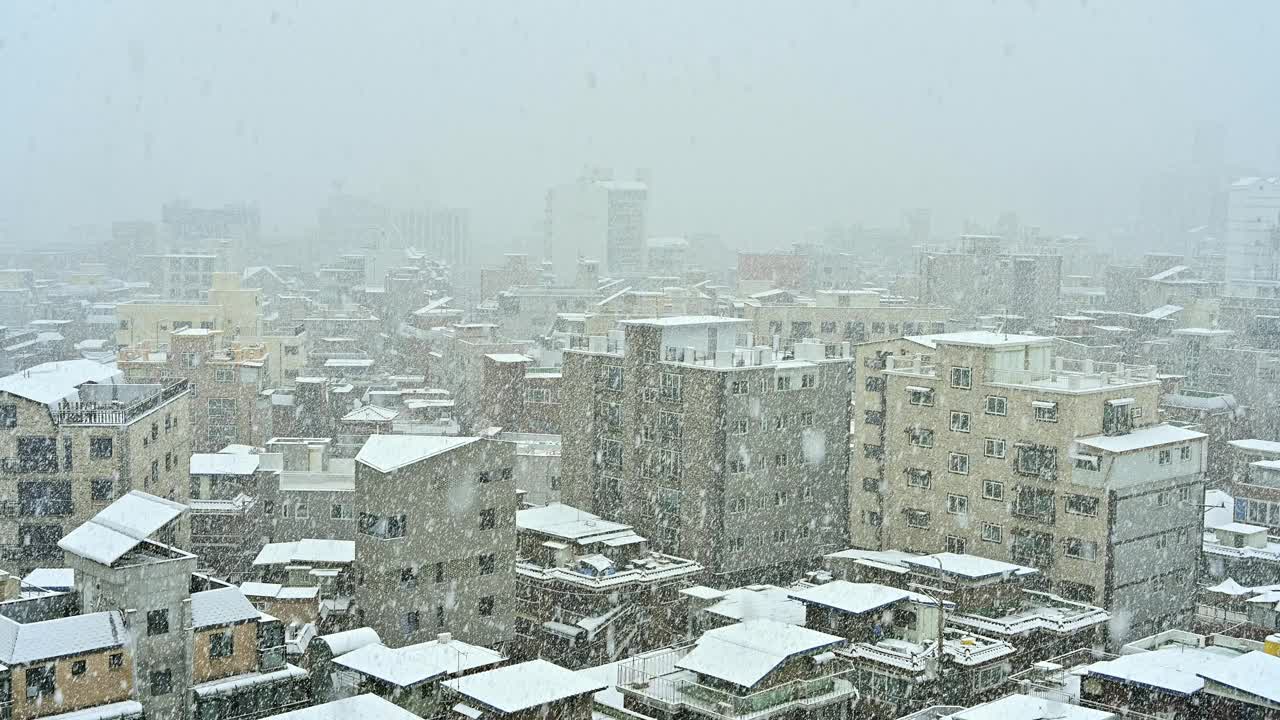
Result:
{"points": [[994, 448], [738, 505], [958, 463], [1158, 584], [340, 511], [1184, 494], [992, 533], [958, 504], [157, 622], [803, 532], [737, 466], [922, 437], [505, 473], [780, 460], [780, 498], [487, 563], [919, 478], [872, 452], [1162, 499], [155, 431], [168, 461], [992, 490], [874, 384], [1088, 462], [408, 578], [1162, 541], [806, 418], [268, 508], [739, 387], [286, 510], [670, 389], [828, 327], [488, 519], [917, 518], [613, 378], [955, 544], [873, 417], [1037, 460], [101, 448], [871, 517], [1166, 457], [410, 622], [77, 668], [221, 645], [782, 383], [439, 572], [116, 661], [737, 543], [1034, 503], [40, 681], [8, 415], [102, 490], [921, 396], [1082, 505], [962, 378], [780, 535], [611, 454], [224, 375], [1081, 549], [808, 380], [485, 606], [1045, 411], [161, 682], [870, 484], [155, 472], [650, 394], [959, 421], [997, 405]]}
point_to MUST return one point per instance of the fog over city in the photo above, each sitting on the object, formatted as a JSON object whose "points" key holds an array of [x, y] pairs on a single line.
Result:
{"points": [[700, 360], [758, 120]]}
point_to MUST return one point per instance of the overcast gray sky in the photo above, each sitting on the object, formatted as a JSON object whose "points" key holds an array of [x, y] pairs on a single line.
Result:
{"points": [[757, 119]]}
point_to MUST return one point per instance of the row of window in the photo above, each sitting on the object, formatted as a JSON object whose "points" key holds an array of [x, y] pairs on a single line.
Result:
{"points": [[396, 526], [411, 621], [486, 564], [740, 503], [741, 426]]}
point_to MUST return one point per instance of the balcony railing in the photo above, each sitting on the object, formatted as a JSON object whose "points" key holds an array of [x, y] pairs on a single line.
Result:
{"points": [[31, 553], [98, 413], [1069, 374]]}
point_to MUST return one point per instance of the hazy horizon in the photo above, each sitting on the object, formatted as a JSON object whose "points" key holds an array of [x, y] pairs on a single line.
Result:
{"points": [[757, 120]]}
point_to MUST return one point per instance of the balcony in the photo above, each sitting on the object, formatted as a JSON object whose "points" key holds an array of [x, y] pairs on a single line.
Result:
{"points": [[911, 365], [137, 400]]}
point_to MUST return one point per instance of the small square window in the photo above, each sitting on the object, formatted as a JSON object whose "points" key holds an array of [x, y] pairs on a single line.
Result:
{"points": [[485, 606], [115, 661], [959, 421], [161, 682], [78, 667], [488, 564], [411, 622], [101, 448], [958, 463], [157, 622], [955, 544], [958, 504], [994, 448], [961, 378], [222, 645], [992, 533], [992, 490], [997, 405], [488, 519], [102, 490]]}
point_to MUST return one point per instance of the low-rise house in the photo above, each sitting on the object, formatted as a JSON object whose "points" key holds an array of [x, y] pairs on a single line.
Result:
{"points": [[364, 707], [589, 591], [312, 563], [1244, 553], [525, 691], [757, 668], [709, 608], [1028, 707], [410, 676]]}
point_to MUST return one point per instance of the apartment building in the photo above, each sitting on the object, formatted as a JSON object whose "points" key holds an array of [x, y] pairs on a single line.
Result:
{"points": [[78, 436], [227, 378], [742, 454], [993, 446], [835, 316], [978, 275], [590, 591], [436, 538], [230, 307]]}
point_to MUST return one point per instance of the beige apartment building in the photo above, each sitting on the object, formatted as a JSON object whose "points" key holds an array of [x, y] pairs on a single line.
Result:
{"points": [[988, 444], [835, 316], [712, 448], [231, 308], [76, 438], [227, 378]]}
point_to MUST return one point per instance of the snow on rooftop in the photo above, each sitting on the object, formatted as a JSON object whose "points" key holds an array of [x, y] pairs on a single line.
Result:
{"points": [[306, 551], [121, 526], [760, 602], [1141, 439], [1172, 669], [525, 685], [971, 566], [413, 664], [509, 358], [1028, 707], [50, 579], [223, 606], [1241, 528], [224, 463], [23, 643], [856, 598], [1256, 445], [110, 711], [370, 413], [341, 643], [52, 382], [1255, 673], [683, 320], [386, 453], [364, 707], [984, 338], [743, 653], [565, 521]]}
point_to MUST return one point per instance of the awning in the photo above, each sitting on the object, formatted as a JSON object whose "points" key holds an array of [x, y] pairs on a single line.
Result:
{"points": [[1043, 404], [1120, 401], [559, 628], [917, 388]]}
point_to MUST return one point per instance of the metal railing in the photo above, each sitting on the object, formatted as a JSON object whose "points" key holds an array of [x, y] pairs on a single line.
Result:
{"points": [[95, 413], [1069, 374]]}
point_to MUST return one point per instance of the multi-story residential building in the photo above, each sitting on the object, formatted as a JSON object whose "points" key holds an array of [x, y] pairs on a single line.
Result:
{"points": [[537, 468], [436, 538], [181, 276], [590, 591], [227, 378], [77, 438], [197, 649], [978, 275], [992, 446], [741, 456], [599, 219], [230, 307], [462, 364], [835, 316], [753, 669], [1253, 236]]}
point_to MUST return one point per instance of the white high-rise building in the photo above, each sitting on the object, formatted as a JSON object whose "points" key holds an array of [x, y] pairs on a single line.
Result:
{"points": [[596, 219], [1253, 236]]}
